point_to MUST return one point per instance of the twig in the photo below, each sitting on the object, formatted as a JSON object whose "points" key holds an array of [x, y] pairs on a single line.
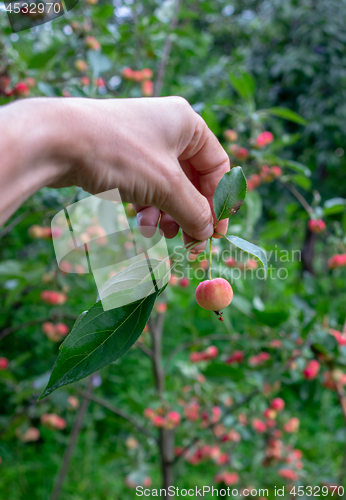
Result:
{"points": [[116, 411], [167, 436], [145, 349], [12, 329], [72, 443], [167, 50], [156, 336], [7, 229], [299, 197], [231, 410]]}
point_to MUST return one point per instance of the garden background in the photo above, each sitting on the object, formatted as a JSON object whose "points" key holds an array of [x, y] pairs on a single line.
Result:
{"points": [[191, 404]]}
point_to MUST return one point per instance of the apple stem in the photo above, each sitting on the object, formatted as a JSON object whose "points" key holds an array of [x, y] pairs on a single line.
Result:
{"points": [[209, 270]]}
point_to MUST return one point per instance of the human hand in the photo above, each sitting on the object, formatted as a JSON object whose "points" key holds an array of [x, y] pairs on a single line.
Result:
{"points": [[158, 152]]}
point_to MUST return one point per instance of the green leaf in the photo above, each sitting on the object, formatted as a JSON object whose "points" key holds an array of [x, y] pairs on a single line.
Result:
{"points": [[48, 90], [334, 206], [302, 181], [271, 318], [97, 339], [133, 283], [250, 248], [253, 205], [244, 85], [11, 268], [287, 114], [242, 304], [229, 194], [210, 118], [98, 62], [222, 371], [42, 58]]}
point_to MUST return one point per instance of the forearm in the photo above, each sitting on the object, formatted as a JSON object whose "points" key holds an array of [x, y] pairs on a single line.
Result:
{"points": [[37, 148]]}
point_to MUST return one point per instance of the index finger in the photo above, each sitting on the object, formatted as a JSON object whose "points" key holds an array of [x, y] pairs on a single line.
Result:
{"points": [[205, 154]]}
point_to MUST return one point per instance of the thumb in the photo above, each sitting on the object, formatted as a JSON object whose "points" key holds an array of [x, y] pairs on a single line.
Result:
{"points": [[188, 207]]}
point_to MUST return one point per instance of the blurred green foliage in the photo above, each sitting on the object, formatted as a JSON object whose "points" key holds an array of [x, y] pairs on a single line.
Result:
{"points": [[236, 63]]}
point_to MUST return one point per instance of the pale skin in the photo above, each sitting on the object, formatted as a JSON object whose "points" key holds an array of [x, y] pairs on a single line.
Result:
{"points": [[158, 152]]}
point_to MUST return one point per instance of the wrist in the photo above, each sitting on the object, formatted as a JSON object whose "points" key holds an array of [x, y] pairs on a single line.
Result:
{"points": [[38, 149]]}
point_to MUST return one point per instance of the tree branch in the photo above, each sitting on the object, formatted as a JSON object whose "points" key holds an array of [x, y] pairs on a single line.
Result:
{"points": [[299, 197], [116, 411], [156, 337], [145, 349], [12, 329], [167, 50], [7, 229], [77, 427]]}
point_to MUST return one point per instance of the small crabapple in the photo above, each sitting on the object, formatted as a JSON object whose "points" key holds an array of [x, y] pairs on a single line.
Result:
{"points": [[147, 73], [238, 152], [65, 266], [73, 402], [258, 425], [195, 357], [4, 363], [269, 413], [173, 280], [30, 435], [149, 413], [211, 352], [53, 421], [251, 264], [311, 370], [30, 81], [147, 88], [292, 425], [184, 282], [236, 357], [131, 443], [338, 260], [277, 404], [253, 182], [158, 421], [35, 231], [316, 225], [92, 43], [276, 172], [214, 295], [61, 328], [231, 262], [80, 65], [48, 328], [288, 474], [21, 89], [264, 139], [127, 73], [230, 135], [173, 419]]}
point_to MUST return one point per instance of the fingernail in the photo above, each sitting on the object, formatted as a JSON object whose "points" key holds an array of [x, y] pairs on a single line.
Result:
{"points": [[206, 233]]}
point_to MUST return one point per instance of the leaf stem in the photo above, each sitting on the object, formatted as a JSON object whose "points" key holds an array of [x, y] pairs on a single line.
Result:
{"points": [[209, 270]]}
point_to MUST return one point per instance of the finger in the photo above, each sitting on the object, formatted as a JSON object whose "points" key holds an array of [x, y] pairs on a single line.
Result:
{"points": [[206, 156], [168, 226], [198, 248], [186, 205], [147, 216]]}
